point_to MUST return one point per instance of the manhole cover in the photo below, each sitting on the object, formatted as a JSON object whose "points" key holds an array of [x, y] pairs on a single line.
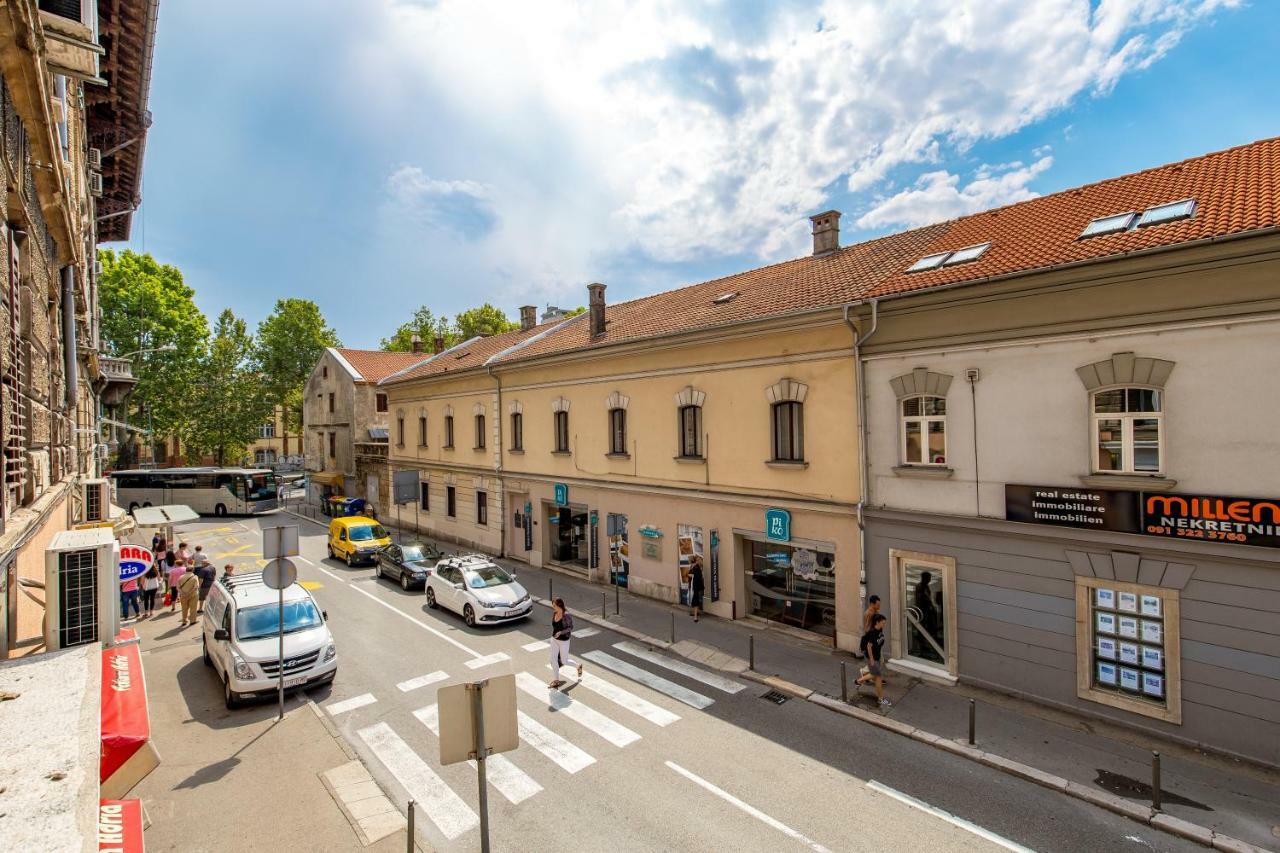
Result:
{"points": [[775, 697]]}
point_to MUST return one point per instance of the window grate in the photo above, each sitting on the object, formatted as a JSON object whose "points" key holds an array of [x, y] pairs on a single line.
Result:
{"points": [[93, 503], [77, 598]]}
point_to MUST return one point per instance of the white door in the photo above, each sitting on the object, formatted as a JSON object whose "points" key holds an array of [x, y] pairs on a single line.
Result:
{"points": [[371, 490]]}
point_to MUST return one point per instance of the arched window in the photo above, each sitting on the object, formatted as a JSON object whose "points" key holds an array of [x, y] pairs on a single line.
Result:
{"points": [[1127, 430], [924, 430]]}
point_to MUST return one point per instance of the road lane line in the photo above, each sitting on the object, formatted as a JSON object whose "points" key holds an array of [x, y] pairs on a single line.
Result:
{"points": [[422, 681], [616, 733], [496, 657], [655, 714], [336, 708], [719, 682], [749, 809], [569, 757], [423, 625], [429, 792], [509, 780], [655, 682], [968, 826]]}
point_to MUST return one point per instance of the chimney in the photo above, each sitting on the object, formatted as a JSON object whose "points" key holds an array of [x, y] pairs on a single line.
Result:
{"points": [[595, 307], [826, 232], [438, 345], [416, 342], [528, 317]]}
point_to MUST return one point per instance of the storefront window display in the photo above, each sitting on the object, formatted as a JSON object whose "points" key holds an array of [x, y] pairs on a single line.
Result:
{"points": [[619, 549], [689, 544], [792, 585], [567, 527]]}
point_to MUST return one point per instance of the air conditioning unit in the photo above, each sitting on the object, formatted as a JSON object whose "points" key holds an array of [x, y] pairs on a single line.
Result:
{"points": [[95, 184], [82, 588], [96, 495], [95, 159]]}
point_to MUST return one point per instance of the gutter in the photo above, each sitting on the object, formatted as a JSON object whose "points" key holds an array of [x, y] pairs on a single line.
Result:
{"points": [[863, 460], [502, 528], [71, 379]]}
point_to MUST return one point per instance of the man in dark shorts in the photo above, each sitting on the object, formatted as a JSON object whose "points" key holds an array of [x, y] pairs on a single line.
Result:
{"points": [[207, 574], [871, 645]]}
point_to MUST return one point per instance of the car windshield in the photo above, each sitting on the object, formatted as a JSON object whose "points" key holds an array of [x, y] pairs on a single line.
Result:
{"points": [[255, 622], [487, 576], [367, 532], [414, 554], [261, 486]]}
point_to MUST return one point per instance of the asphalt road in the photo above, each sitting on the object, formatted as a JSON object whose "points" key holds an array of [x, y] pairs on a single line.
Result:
{"points": [[645, 758]]}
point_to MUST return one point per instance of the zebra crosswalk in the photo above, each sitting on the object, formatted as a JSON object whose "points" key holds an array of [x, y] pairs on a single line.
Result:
{"points": [[572, 729]]}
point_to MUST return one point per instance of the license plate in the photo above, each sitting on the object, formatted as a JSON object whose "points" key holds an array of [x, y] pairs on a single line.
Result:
{"points": [[511, 613], [295, 681]]}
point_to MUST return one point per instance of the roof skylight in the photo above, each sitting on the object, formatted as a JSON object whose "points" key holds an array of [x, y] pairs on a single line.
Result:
{"points": [[968, 253], [928, 262], [1168, 212], [1108, 224]]}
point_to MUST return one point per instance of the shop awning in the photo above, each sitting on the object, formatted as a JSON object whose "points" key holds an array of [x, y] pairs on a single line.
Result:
{"points": [[127, 752], [162, 516], [328, 478], [120, 826]]}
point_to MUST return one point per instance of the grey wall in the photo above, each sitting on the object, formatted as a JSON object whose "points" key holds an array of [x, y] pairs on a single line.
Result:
{"points": [[1016, 617]]}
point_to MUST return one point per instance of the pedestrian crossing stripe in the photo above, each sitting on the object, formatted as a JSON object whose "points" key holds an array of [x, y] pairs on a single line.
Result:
{"points": [[421, 681], [564, 754], [590, 719], [446, 810], [641, 707], [509, 780], [711, 679], [496, 657], [542, 645], [336, 708], [654, 682]]}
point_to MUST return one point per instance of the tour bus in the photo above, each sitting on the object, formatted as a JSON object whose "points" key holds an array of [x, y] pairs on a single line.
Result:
{"points": [[208, 491]]}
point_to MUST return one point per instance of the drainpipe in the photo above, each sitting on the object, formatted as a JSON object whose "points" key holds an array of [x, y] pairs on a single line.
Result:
{"points": [[502, 484], [863, 463], [69, 335]]}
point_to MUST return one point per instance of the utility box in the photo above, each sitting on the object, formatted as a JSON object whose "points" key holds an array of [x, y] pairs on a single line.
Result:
{"points": [[81, 588]]}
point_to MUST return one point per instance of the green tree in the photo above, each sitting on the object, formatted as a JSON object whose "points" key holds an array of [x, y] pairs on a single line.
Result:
{"points": [[147, 306], [427, 326], [290, 342], [485, 320], [229, 399]]}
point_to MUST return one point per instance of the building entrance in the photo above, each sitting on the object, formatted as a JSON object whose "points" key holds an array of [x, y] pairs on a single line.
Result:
{"points": [[567, 530]]}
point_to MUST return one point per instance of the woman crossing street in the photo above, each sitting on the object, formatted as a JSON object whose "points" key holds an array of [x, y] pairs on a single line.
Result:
{"points": [[561, 633]]}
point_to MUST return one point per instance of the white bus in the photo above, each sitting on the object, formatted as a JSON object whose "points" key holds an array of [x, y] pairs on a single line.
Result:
{"points": [[208, 491]]}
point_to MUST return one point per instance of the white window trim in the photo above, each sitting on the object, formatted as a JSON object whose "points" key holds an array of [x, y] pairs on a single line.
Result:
{"points": [[924, 421], [1126, 419]]}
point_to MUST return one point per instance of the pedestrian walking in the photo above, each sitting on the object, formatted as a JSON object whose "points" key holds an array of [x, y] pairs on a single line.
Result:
{"points": [[873, 607], [150, 586], [189, 596], [697, 586], [871, 644], [173, 572], [156, 539], [129, 598], [561, 634], [207, 575]]}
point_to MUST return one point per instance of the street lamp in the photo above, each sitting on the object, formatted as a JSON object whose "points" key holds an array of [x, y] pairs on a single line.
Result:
{"points": [[165, 348]]}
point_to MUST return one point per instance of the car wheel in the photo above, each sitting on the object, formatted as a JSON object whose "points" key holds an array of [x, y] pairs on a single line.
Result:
{"points": [[220, 510], [380, 569], [329, 548], [204, 646], [431, 598], [404, 582], [229, 696], [350, 562], [469, 616]]}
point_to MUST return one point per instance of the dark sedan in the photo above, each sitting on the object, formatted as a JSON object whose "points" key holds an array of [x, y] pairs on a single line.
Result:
{"points": [[408, 564]]}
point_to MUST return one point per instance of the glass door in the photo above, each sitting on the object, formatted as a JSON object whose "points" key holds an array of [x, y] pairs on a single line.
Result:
{"points": [[924, 611]]}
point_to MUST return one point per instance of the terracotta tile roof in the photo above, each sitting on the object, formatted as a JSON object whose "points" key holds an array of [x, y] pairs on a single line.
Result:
{"points": [[375, 364], [468, 354]]}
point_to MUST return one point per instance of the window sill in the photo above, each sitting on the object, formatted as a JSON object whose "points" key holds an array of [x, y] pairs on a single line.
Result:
{"points": [[447, 447], [924, 472], [422, 447], [561, 453], [691, 460], [478, 449], [786, 463], [617, 455], [519, 451], [1141, 482]]}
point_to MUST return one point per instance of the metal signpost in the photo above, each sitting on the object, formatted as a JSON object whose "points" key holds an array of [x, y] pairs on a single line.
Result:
{"points": [[476, 721], [404, 488], [278, 544]]}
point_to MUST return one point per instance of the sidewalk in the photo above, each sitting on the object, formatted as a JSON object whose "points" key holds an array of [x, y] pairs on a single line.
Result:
{"points": [[1104, 762], [240, 780]]}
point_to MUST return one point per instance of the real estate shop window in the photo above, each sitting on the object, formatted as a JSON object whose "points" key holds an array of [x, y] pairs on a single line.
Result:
{"points": [[1128, 430], [618, 431], [517, 431], [788, 432], [691, 432], [924, 430], [562, 432], [448, 432]]}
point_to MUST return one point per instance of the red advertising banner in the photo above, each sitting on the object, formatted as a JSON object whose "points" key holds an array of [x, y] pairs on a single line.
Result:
{"points": [[125, 727], [120, 826]]}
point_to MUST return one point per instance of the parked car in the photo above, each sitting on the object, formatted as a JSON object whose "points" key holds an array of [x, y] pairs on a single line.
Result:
{"points": [[478, 589], [240, 635], [408, 564], [357, 539]]}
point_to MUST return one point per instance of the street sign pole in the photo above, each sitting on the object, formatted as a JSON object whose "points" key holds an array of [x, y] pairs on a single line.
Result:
{"points": [[277, 574], [280, 627], [477, 721]]}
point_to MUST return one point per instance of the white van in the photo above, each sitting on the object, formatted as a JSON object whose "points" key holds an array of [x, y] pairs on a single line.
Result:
{"points": [[240, 634]]}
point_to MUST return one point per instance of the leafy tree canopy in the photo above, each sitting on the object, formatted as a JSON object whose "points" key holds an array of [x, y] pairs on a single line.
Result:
{"points": [[485, 320], [290, 342], [228, 400], [427, 326]]}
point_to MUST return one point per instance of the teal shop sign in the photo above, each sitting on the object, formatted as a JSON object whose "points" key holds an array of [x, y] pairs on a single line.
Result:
{"points": [[562, 494], [777, 525]]}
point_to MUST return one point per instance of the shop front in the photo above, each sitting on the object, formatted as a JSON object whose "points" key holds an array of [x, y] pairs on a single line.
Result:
{"points": [[789, 581], [566, 528]]}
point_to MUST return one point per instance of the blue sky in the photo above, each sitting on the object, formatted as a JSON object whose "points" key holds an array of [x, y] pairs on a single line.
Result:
{"points": [[376, 155]]}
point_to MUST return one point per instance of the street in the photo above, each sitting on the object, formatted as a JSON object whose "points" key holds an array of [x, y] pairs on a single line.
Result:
{"points": [[647, 752]]}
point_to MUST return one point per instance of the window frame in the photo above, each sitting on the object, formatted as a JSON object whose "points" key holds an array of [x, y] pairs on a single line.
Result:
{"points": [[1127, 419], [333, 445], [400, 429], [332, 407], [482, 508], [560, 428], [451, 501], [424, 495], [923, 421], [696, 413], [795, 429], [480, 429], [380, 402], [618, 432], [517, 431], [448, 432], [422, 430]]}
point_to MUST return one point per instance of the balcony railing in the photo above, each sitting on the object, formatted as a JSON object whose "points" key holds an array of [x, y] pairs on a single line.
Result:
{"points": [[117, 369]]}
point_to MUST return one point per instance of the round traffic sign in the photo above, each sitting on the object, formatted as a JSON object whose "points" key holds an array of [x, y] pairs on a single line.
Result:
{"points": [[280, 573]]}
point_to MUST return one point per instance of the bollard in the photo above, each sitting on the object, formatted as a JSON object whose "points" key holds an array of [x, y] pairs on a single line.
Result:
{"points": [[551, 598], [604, 605], [617, 600], [751, 652], [1155, 780], [673, 628], [409, 828], [844, 684], [973, 721]]}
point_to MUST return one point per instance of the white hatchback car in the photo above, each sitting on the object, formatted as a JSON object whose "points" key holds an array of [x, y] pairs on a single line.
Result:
{"points": [[478, 589]]}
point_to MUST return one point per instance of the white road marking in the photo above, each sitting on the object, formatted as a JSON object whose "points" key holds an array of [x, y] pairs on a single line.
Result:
{"points": [[968, 826], [655, 714], [550, 744], [496, 657], [446, 809], [749, 809], [538, 646], [655, 682], [585, 632], [335, 708], [616, 733], [422, 681], [512, 782], [719, 682]]}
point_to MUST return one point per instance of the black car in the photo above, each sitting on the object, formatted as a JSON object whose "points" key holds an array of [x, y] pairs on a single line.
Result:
{"points": [[410, 564]]}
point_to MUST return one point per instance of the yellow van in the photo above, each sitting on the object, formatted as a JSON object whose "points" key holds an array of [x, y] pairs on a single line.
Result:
{"points": [[357, 539]]}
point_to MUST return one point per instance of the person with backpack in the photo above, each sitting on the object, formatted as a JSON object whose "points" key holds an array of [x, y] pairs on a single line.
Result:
{"points": [[150, 586], [871, 645], [561, 633]]}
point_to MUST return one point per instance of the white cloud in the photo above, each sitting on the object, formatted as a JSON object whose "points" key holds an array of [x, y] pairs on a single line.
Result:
{"points": [[460, 206], [938, 195], [684, 130]]}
